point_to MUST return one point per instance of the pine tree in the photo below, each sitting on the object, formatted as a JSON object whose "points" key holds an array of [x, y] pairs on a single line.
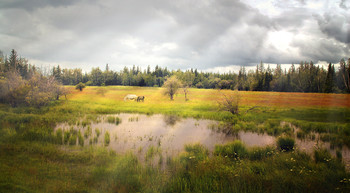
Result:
{"points": [[329, 85]]}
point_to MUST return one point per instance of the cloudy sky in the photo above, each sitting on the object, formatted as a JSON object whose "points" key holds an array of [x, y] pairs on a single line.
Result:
{"points": [[203, 34]]}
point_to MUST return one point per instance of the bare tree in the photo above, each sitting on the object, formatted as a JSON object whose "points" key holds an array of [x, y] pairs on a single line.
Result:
{"points": [[230, 102], [171, 87]]}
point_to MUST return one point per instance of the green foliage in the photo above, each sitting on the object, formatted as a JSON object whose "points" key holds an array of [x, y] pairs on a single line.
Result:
{"points": [[194, 153], [80, 139], [114, 120], [235, 149], [260, 153], [171, 87], [66, 137], [88, 132], [107, 138], [73, 139], [80, 86], [285, 143], [59, 136], [98, 132]]}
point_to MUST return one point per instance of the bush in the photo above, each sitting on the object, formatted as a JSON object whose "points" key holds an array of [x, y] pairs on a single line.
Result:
{"points": [[80, 86], [285, 143]]}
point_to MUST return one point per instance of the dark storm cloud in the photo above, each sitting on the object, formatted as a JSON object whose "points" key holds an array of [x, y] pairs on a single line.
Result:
{"points": [[335, 26], [31, 5], [177, 34]]}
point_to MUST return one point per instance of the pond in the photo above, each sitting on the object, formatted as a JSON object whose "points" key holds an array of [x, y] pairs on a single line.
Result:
{"points": [[163, 136]]}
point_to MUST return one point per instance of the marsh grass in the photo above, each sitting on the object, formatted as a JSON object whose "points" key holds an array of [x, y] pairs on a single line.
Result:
{"points": [[234, 150], [107, 138], [285, 143], [80, 139], [31, 160], [59, 136], [114, 120], [98, 132], [88, 132]]}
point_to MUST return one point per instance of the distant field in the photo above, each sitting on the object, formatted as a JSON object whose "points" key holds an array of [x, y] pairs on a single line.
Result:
{"points": [[209, 96], [202, 103]]}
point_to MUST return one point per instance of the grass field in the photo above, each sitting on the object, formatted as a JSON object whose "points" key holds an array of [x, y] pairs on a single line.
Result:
{"points": [[31, 160]]}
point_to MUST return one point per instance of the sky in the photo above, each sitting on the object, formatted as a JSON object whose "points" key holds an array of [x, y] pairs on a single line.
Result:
{"points": [[209, 35]]}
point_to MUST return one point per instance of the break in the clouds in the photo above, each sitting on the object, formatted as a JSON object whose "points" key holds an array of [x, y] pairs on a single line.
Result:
{"points": [[208, 34]]}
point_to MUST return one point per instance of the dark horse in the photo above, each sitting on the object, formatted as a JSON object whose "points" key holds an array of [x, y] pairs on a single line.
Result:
{"points": [[141, 98]]}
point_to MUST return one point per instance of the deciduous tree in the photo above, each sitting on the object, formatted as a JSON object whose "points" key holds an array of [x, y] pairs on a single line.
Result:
{"points": [[171, 86]]}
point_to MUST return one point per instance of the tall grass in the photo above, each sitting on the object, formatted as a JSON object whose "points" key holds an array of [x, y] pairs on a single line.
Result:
{"points": [[107, 138], [234, 149], [285, 143]]}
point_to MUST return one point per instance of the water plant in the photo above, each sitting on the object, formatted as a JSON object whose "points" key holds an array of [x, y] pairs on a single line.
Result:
{"points": [[88, 132], [59, 136], [114, 120], [80, 139], [98, 132], [285, 143], [107, 138]]}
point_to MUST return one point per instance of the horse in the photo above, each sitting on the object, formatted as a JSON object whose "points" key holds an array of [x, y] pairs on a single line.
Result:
{"points": [[130, 97], [141, 98]]}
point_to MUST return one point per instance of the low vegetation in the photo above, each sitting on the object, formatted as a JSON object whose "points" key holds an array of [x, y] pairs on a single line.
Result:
{"points": [[35, 158]]}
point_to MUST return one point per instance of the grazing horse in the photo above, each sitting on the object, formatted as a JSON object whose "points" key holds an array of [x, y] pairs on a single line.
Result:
{"points": [[130, 97], [141, 98]]}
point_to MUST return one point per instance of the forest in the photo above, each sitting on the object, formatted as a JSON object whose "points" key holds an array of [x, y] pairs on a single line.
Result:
{"points": [[304, 77]]}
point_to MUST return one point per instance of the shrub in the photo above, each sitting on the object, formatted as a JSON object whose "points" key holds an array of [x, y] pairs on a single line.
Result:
{"points": [[80, 86], [285, 143]]}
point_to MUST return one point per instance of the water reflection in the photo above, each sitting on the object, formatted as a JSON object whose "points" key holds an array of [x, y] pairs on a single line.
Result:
{"points": [[166, 135], [171, 120]]}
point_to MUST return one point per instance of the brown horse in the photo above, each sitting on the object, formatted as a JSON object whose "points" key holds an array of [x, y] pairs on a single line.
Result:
{"points": [[141, 98]]}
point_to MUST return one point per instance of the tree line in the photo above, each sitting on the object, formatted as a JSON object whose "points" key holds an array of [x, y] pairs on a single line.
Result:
{"points": [[305, 77]]}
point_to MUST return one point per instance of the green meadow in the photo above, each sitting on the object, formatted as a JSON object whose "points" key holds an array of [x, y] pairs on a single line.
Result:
{"points": [[36, 158]]}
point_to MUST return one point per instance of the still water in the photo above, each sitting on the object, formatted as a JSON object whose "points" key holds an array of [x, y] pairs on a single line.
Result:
{"points": [[168, 135]]}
